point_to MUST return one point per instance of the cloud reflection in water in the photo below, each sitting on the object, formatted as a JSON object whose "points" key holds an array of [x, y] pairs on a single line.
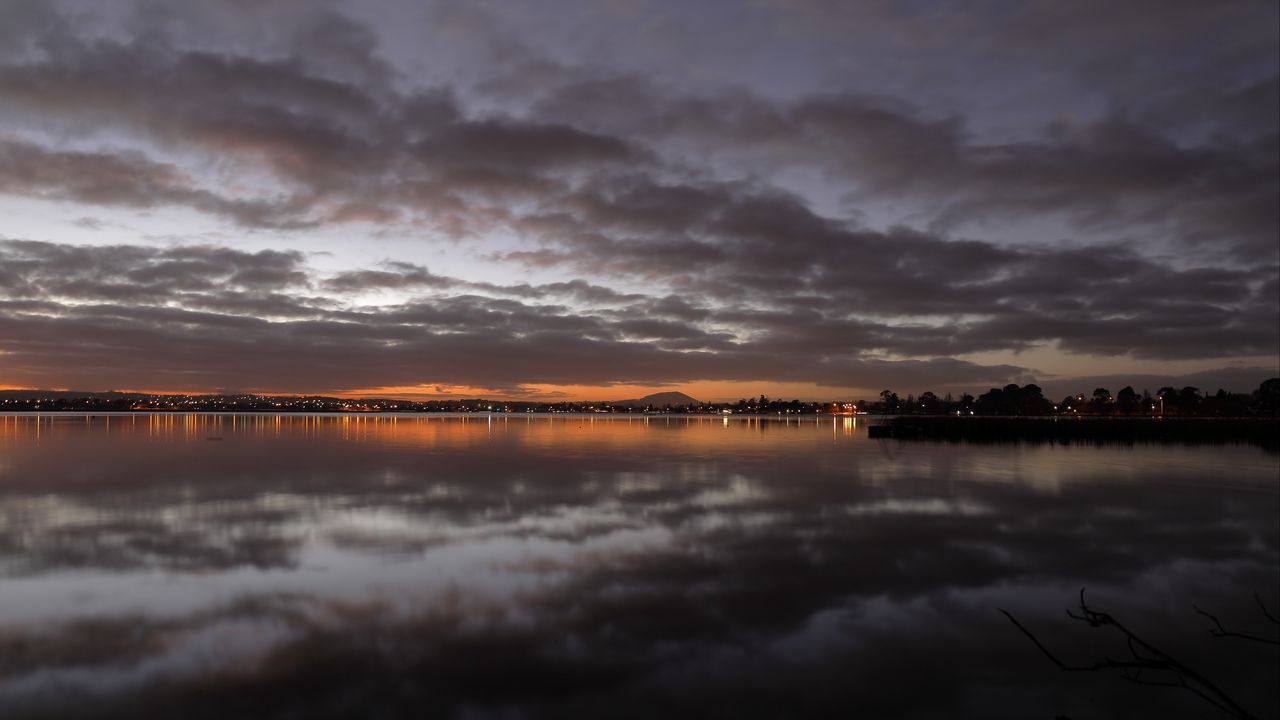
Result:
{"points": [[533, 566]]}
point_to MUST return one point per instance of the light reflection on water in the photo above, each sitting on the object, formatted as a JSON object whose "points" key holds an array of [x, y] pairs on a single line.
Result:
{"points": [[517, 565]]}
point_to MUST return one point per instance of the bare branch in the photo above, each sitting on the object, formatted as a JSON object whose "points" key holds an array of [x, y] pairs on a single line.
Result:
{"points": [[1145, 657], [1219, 631], [1263, 606], [1061, 665]]}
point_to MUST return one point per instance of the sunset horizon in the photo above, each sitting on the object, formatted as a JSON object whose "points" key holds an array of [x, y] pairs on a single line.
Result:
{"points": [[1236, 380]]}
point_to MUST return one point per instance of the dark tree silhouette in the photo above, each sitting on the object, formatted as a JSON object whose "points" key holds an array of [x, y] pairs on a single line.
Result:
{"points": [[889, 401], [1189, 400], [1127, 400], [1101, 401], [928, 402], [1031, 401], [1267, 397], [1013, 400]]}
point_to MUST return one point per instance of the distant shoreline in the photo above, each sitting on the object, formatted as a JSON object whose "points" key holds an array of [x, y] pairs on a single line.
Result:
{"points": [[1262, 432]]}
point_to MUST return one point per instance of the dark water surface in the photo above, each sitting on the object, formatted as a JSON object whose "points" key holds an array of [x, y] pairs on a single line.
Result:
{"points": [[423, 566]]}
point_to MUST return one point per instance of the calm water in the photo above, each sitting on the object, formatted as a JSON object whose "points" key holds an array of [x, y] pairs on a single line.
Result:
{"points": [[421, 566]]}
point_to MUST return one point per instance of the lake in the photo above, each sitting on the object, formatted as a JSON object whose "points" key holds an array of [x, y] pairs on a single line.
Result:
{"points": [[518, 566]]}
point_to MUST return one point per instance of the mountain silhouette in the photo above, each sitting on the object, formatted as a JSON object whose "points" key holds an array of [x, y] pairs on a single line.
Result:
{"points": [[658, 400]]}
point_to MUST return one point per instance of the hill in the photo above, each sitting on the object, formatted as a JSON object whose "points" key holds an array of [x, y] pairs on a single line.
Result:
{"points": [[66, 395], [658, 400]]}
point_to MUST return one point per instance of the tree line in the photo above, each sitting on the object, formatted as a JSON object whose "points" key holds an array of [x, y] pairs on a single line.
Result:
{"points": [[1029, 400], [1010, 400]]}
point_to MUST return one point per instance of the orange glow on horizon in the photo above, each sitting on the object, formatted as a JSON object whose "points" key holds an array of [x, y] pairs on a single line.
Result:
{"points": [[707, 391], [704, 391]]}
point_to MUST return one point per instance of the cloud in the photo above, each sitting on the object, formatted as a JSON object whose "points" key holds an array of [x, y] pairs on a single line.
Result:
{"points": [[678, 230], [1214, 194], [204, 316], [127, 180], [340, 149], [328, 149], [43, 271], [397, 275], [131, 314]]}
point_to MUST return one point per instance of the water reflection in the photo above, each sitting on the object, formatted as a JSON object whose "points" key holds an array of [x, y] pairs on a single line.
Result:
{"points": [[509, 566]]}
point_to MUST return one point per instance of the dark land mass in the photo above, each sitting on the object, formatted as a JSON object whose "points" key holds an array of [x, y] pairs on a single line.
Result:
{"points": [[1011, 400], [69, 395], [1260, 427], [76, 401], [658, 400]]}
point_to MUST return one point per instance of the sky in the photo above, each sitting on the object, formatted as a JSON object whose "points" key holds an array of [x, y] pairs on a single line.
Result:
{"points": [[576, 199]]}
